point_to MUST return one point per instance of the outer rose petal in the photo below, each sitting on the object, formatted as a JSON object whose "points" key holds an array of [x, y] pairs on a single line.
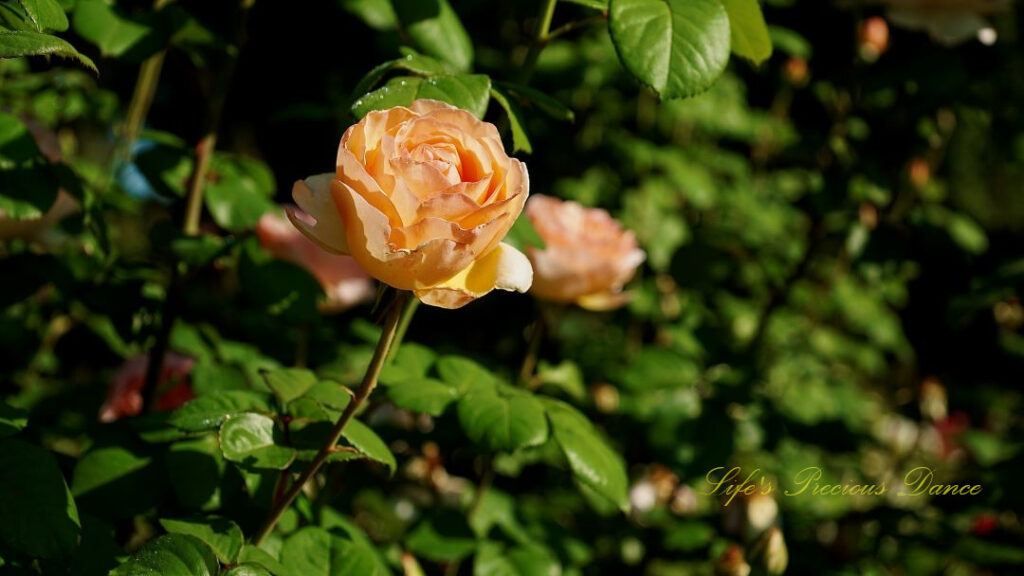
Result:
{"points": [[505, 268], [314, 196]]}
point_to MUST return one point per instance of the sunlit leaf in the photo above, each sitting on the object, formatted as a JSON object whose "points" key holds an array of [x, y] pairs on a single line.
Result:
{"points": [[677, 47]]}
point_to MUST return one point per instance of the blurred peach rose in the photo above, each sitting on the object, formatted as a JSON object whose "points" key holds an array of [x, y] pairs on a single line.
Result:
{"points": [[947, 21], [422, 198], [344, 282], [587, 257], [124, 397], [62, 207]]}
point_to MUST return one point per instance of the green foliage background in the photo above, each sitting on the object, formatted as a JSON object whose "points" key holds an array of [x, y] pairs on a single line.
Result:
{"points": [[835, 269]]}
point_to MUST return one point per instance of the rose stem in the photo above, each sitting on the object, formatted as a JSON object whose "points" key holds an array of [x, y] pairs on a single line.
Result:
{"points": [[403, 326], [540, 40], [380, 353], [193, 211], [533, 349]]}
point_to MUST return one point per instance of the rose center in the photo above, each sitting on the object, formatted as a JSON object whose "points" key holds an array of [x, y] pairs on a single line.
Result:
{"points": [[443, 156]]}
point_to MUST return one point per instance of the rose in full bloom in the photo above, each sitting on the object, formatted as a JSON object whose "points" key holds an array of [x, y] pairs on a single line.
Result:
{"points": [[344, 282], [422, 198], [587, 257], [63, 206], [124, 396]]}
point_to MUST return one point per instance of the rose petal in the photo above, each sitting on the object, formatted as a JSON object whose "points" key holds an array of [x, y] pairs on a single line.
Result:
{"points": [[505, 268], [368, 234], [355, 176], [314, 196]]}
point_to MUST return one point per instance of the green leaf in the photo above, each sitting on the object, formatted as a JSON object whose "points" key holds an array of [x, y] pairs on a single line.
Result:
{"points": [[790, 42], [117, 33], [208, 412], [470, 92], [565, 376], [197, 250], [247, 570], [170, 555], [17, 146], [494, 560], [364, 439], [13, 17], [27, 192], [248, 439], [284, 289], [98, 551], [748, 30], [378, 14], [425, 395], [442, 537], [38, 517], [223, 536], [436, 30], [289, 383], [252, 555], [114, 482], [593, 462], [677, 47], [17, 43], [412, 360], [45, 15], [523, 235], [498, 509], [601, 5], [12, 420], [238, 191], [532, 98], [195, 469], [102, 466], [520, 141], [315, 552], [411, 61], [464, 374], [502, 418]]}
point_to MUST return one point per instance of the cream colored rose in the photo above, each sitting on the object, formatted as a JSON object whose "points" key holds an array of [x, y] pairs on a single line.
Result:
{"points": [[344, 282], [422, 198], [587, 257]]}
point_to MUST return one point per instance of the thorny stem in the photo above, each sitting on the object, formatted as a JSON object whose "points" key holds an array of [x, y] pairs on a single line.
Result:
{"points": [[380, 353]]}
